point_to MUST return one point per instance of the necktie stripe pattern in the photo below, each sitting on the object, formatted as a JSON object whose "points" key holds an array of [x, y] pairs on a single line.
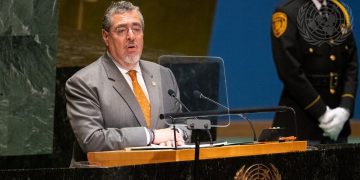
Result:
{"points": [[141, 98]]}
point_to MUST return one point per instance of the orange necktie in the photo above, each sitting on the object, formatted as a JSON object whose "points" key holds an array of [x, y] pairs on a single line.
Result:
{"points": [[140, 96]]}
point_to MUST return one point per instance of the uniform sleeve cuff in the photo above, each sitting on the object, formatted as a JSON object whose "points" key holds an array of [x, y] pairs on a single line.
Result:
{"points": [[318, 109]]}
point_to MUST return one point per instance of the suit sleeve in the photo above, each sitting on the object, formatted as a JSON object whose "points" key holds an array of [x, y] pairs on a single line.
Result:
{"points": [[351, 77], [84, 113], [287, 56]]}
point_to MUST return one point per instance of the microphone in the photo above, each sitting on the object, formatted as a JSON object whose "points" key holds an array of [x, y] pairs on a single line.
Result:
{"points": [[195, 125], [199, 95], [173, 94]]}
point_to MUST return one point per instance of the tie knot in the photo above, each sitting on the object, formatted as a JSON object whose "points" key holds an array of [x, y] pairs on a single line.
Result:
{"points": [[132, 74]]}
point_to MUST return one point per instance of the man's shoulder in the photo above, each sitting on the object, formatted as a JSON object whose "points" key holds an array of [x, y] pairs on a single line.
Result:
{"points": [[90, 70], [151, 65], [291, 6]]}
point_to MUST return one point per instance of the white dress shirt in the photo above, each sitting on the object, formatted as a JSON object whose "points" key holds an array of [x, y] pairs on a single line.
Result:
{"points": [[318, 4]]}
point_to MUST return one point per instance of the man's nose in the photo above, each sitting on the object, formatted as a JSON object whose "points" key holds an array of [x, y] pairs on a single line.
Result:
{"points": [[130, 34]]}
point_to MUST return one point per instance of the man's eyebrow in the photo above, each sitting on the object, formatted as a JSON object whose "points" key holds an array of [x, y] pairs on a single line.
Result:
{"points": [[130, 24], [136, 23], [120, 25]]}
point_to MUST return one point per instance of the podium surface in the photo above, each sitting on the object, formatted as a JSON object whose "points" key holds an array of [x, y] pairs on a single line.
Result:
{"points": [[138, 157], [330, 161]]}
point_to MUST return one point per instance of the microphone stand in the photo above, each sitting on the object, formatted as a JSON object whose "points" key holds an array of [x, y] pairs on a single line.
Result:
{"points": [[174, 130], [225, 112], [199, 95], [196, 125], [233, 112], [197, 153]]}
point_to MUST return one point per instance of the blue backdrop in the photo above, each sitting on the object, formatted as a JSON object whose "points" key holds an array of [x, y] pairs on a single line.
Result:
{"points": [[241, 36]]}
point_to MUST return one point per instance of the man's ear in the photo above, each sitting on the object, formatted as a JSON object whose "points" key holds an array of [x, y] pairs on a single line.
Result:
{"points": [[105, 36]]}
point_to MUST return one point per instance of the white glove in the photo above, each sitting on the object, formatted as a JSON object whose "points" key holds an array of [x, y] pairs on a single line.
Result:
{"points": [[327, 116], [334, 127]]}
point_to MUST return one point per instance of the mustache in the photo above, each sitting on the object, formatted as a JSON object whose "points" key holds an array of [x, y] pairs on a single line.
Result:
{"points": [[131, 45]]}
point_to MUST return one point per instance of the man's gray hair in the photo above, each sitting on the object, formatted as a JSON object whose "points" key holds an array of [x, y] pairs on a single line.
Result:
{"points": [[119, 7]]}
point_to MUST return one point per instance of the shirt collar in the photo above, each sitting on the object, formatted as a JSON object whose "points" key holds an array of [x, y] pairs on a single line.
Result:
{"points": [[318, 5], [123, 70]]}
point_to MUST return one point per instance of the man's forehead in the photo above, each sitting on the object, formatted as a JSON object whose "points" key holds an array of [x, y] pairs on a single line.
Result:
{"points": [[131, 17]]}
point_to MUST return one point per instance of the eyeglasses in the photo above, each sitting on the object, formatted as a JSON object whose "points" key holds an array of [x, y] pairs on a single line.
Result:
{"points": [[123, 31]]}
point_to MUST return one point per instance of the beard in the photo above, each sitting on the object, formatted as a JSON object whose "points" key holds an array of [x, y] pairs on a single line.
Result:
{"points": [[132, 60]]}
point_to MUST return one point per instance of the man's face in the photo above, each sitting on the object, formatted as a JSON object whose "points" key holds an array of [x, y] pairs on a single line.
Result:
{"points": [[125, 39]]}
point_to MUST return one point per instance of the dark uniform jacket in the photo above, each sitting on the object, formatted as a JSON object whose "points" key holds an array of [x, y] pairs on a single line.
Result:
{"points": [[316, 70]]}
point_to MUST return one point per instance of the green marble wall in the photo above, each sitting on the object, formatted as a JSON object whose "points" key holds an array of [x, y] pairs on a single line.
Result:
{"points": [[28, 43]]}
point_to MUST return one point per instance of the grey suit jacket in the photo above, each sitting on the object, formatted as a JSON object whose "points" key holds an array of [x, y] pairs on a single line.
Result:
{"points": [[103, 110]]}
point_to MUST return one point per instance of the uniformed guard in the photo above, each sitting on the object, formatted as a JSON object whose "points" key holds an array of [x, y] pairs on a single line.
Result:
{"points": [[316, 59]]}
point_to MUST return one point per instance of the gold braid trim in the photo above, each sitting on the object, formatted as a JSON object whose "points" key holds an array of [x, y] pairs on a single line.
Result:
{"points": [[343, 9], [312, 103], [348, 95]]}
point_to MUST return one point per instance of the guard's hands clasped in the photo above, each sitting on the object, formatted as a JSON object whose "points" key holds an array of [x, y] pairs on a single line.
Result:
{"points": [[327, 116], [333, 121], [165, 137]]}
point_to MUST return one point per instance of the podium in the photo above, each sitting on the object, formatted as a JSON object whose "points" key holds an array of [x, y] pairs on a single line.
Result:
{"points": [[141, 157], [337, 161]]}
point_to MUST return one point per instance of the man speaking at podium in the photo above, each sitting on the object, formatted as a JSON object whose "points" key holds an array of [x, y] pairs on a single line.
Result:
{"points": [[115, 102]]}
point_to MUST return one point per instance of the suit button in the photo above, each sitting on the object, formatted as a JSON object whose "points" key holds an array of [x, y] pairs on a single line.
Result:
{"points": [[332, 57], [311, 50], [346, 47]]}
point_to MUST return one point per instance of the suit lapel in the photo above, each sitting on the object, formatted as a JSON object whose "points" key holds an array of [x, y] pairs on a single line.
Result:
{"points": [[152, 87], [123, 89]]}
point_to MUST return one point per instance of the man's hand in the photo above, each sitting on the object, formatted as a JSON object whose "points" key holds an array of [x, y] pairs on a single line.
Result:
{"points": [[333, 127], [327, 116], [165, 137]]}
